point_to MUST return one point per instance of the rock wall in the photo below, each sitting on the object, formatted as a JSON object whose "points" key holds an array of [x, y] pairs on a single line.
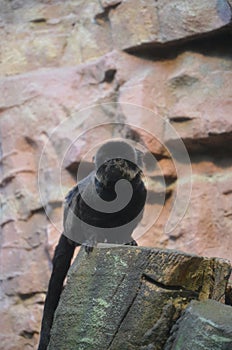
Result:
{"points": [[75, 64]]}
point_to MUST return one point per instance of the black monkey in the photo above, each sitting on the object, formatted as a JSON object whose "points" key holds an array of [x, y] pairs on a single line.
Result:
{"points": [[96, 210]]}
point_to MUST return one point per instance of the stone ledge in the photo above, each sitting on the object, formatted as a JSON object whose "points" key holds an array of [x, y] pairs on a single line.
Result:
{"points": [[122, 297]]}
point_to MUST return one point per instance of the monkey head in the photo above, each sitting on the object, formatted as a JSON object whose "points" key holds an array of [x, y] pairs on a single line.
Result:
{"points": [[116, 160]]}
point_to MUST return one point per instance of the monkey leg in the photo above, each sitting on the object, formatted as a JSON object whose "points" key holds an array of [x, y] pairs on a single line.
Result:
{"points": [[61, 263]]}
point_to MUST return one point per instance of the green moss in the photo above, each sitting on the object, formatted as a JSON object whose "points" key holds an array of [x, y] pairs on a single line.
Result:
{"points": [[179, 343], [87, 341], [99, 312], [220, 339], [102, 302], [119, 262]]}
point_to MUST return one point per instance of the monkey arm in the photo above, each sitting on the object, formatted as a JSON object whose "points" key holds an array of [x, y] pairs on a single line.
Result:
{"points": [[61, 263]]}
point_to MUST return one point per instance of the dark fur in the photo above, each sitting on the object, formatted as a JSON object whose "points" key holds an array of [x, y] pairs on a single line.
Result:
{"points": [[103, 179]]}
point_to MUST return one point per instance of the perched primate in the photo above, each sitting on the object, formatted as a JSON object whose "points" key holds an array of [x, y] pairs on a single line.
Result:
{"points": [[106, 206]]}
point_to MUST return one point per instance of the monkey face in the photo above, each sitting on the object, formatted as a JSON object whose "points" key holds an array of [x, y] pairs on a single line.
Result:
{"points": [[116, 160], [116, 169]]}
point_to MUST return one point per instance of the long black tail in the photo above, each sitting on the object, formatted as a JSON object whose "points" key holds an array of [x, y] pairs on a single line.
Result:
{"points": [[61, 262]]}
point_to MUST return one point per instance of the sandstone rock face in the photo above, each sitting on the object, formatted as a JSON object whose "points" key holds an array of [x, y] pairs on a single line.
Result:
{"points": [[68, 33], [129, 297], [145, 22], [76, 73]]}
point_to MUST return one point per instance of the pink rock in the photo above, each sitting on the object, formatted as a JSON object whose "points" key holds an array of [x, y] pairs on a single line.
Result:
{"points": [[146, 23]]}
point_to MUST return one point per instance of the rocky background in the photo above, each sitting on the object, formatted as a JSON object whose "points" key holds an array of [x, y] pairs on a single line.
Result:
{"points": [[58, 57]]}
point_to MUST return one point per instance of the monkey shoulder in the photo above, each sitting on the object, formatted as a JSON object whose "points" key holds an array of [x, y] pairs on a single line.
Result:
{"points": [[72, 199]]}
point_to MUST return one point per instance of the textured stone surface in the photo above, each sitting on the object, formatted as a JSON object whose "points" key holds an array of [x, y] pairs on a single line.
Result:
{"points": [[21, 317], [57, 58], [128, 298], [145, 22], [204, 325], [70, 32]]}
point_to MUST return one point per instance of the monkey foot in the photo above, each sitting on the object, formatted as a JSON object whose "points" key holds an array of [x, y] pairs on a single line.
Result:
{"points": [[89, 245], [88, 248], [134, 243]]}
